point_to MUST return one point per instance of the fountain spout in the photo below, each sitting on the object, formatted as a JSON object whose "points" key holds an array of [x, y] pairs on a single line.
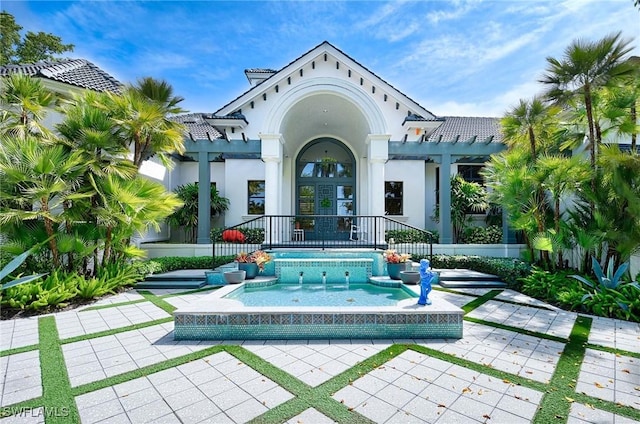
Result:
{"points": [[346, 278], [300, 278], [324, 277]]}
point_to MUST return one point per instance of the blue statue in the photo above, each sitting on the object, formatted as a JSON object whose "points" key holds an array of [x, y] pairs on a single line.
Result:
{"points": [[426, 275]]}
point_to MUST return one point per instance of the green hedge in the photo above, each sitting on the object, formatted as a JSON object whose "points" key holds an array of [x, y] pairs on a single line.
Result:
{"points": [[407, 236], [172, 263], [510, 270]]}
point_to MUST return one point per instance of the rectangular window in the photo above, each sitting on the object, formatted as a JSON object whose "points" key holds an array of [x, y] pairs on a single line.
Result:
{"points": [[393, 197], [471, 173], [256, 198]]}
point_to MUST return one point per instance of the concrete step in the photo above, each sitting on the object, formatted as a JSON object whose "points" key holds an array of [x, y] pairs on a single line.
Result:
{"points": [[465, 274], [171, 284], [469, 284]]}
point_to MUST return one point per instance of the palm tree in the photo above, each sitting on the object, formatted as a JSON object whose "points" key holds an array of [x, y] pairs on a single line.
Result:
{"points": [[529, 121], [37, 179], [142, 124], [187, 215], [88, 128], [24, 102], [160, 92], [128, 206], [585, 67], [553, 172]]}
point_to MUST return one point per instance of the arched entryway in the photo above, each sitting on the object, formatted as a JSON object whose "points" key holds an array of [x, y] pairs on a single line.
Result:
{"points": [[325, 182]]}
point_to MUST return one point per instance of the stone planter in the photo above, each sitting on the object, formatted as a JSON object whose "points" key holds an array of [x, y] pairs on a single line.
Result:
{"points": [[250, 268], [410, 277], [234, 277], [393, 269]]}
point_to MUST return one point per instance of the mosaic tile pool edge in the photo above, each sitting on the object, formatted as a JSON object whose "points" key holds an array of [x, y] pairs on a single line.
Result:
{"points": [[272, 326]]}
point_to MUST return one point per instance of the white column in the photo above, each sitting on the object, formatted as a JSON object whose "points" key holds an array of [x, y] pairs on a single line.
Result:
{"points": [[378, 153], [272, 152]]}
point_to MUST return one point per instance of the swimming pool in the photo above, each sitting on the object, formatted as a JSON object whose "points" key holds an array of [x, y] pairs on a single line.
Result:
{"points": [[300, 295], [219, 316]]}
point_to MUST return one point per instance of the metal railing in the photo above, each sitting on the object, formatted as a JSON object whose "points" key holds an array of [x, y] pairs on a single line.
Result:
{"points": [[322, 232]]}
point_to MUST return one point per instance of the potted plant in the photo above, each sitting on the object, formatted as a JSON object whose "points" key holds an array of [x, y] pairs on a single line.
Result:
{"points": [[396, 262], [252, 263]]}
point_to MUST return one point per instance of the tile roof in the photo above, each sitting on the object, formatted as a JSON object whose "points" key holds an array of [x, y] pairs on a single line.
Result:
{"points": [[197, 127], [77, 72], [465, 128]]}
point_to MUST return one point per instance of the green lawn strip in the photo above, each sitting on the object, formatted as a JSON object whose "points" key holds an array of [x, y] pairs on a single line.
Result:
{"points": [[480, 301], [305, 396], [482, 368], [116, 330], [156, 300], [613, 350], [21, 349], [113, 305], [516, 329], [57, 399], [556, 402], [321, 399], [145, 371], [20, 407], [605, 405]]}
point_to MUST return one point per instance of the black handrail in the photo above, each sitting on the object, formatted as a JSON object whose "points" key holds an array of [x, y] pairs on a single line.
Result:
{"points": [[321, 232]]}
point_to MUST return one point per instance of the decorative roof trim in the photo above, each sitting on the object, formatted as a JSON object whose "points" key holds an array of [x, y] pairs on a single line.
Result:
{"points": [[326, 47]]}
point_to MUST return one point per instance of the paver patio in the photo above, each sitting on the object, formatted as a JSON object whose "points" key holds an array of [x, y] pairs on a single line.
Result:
{"points": [[121, 364]]}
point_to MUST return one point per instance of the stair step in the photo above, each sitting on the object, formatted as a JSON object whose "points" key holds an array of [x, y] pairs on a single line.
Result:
{"points": [[468, 284], [466, 274], [171, 284]]}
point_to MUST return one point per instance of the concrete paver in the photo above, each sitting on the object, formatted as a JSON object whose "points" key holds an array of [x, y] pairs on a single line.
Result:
{"points": [[411, 387]]}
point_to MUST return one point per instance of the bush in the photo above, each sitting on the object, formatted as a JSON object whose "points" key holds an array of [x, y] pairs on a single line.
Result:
{"points": [[51, 292], [172, 263], [252, 235], [508, 269], [407, 236], [483, 235]]}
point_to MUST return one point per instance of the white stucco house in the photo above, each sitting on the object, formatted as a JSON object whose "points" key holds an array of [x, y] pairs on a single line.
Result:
{"points": [[383, 153], [323, 135]]}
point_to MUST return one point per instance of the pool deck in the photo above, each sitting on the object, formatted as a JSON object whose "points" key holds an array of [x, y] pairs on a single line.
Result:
{"points": [[120, 364]]}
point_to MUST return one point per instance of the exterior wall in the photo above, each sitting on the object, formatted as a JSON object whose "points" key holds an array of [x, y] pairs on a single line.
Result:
{"points": [[413, 187], [237, 173], [258, 115]]}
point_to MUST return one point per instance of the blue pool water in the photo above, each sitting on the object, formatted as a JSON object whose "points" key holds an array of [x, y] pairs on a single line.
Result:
{"points": [[320, 295]]}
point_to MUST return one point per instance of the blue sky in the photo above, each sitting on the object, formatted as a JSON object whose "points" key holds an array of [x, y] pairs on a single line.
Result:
{"points": [[462, 58]]}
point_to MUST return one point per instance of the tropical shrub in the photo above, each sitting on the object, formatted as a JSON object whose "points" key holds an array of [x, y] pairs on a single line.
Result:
{"points": [[408, 236], [483, 235], [187, 215], [54, 291], [253, 235], [172, 263], [508, 269]]}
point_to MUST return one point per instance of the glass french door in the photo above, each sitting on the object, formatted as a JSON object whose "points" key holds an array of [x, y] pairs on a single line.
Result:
{"points": [[325, 191]]}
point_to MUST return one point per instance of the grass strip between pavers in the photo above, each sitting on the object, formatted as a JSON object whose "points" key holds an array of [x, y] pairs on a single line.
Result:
{"points": [[133, 302], [165, 306], [112, 305], [116, 330], [516, 329], [556, 402], [21, 349], [59, 404], [480, 301], [615, 351], [57, 398]]}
